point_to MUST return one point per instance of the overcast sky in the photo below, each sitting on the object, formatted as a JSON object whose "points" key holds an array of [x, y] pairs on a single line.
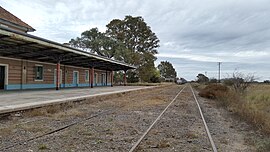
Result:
{"points": [[194, 34]]}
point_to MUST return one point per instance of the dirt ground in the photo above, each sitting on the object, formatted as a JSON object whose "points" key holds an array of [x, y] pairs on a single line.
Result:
{"points": [[116, 123]]}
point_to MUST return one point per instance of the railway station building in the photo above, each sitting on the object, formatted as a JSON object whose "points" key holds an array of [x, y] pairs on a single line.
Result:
{"points": [[31, 62]]}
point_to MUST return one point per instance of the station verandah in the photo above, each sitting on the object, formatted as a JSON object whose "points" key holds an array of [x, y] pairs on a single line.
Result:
{"points": [[23, 46]]}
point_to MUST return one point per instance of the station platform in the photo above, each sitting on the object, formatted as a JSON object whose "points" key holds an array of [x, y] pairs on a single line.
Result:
{"points": [[11, 101]]}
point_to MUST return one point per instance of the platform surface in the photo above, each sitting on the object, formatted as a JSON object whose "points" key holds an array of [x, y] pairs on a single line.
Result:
{"points": [[20, 100]]}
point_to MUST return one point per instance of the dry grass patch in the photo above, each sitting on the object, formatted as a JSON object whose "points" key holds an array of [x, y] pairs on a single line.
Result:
{"points": [[6, 131], [34, 128], [252, 106], [192, 135], [163, 144], [69, 113]]}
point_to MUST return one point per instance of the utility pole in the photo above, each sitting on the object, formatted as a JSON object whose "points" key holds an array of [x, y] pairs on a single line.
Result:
{"points": [[219, 63]]}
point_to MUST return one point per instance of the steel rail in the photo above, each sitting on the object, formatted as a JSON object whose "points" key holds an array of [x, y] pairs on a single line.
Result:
{"points": [[214, 148], [147, 131]]}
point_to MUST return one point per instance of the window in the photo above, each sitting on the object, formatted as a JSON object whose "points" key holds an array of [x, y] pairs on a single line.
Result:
{"points": [[86, 75], [39, 72]]}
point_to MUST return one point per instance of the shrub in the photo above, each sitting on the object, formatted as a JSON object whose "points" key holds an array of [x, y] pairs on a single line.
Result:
{"points": [[214, 91], [213, 80], [239, 81]]}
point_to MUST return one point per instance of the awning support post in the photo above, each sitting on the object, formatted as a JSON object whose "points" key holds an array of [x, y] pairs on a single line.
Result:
{"points": [[58, 75], [125, 77], [92, 77], [106, 78], [112, 78], [89, 76]]}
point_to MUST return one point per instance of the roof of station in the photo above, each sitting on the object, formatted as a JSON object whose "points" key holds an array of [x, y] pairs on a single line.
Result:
{"points": [[15, 44], [8, 18]]}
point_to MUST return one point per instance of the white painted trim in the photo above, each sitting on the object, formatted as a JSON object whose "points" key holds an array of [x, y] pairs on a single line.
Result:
{"points": [[39, 80], [38, 65], [6, 72]]}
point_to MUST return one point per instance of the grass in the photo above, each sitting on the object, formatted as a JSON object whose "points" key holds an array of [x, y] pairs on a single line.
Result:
{"points": [[150, 84], [42, 147], [191, 135], [256, 106], [263, 145], [163, 144], [6, 131], [252, 106]]}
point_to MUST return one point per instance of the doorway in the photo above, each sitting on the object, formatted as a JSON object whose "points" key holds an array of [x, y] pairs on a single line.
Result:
{"points": [[103, 79], [2, 77], [76, 78]]}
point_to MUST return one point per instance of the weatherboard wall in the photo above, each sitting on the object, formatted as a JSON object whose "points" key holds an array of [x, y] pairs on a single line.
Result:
{"points": [[21, 75]]}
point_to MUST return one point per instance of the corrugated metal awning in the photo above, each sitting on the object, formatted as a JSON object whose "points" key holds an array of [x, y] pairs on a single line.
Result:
{"points": [[19, 45]]}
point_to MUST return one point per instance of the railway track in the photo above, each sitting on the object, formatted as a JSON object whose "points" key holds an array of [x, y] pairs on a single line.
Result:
{"points": [[169, 108], [61, 128], [135, 147]]}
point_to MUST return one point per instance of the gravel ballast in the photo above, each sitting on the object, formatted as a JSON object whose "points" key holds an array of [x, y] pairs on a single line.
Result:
{"points": [[116, 123]]}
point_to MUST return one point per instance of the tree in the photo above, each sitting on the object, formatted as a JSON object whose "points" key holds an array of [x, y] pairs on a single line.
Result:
{"points": [[166, 70], [156, 77], [213, 80], [97, 42], [132, 76], [130, 40], [266, 81], [202, 78], [140, 42], [118, 77]]}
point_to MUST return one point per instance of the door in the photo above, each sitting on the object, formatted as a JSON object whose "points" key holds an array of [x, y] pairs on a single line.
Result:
{"points": [[95, 79], [2, 77], [103, 79], [75, 78]]}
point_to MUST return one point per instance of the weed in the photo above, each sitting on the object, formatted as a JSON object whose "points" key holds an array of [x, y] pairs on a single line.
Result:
{"points": [[191, 135], [110, 119], [223, 141], [6, 131], [36, 112], [263, 145], [42, 147], [53, 109], [99, 141], [163, 144]]}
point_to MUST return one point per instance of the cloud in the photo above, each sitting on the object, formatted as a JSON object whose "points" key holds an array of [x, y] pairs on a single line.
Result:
{"points": [[190, 57], [198, 32]]}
